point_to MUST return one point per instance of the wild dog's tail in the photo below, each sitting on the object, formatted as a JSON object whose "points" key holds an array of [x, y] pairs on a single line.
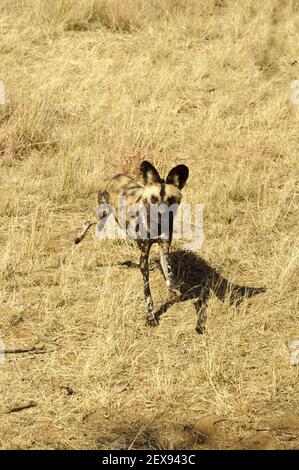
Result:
{"points": [[83, 231]]}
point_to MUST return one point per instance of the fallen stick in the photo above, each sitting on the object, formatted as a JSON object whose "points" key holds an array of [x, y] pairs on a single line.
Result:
{"points": [[24, 350], [18, 408]]}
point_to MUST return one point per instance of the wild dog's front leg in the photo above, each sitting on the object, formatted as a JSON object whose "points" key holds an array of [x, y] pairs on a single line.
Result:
{"points": [[151, 317], [164, 247]]}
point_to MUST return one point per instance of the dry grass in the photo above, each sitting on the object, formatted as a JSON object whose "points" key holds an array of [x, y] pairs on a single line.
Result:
{"points": [[93, 87]]}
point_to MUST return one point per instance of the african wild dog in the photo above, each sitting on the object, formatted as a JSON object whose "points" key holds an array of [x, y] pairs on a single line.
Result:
{"points": [[156, 197]]}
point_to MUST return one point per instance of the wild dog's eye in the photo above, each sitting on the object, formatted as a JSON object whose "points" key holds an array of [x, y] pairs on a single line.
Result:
{"points": [[154, 199], [171, 200]]}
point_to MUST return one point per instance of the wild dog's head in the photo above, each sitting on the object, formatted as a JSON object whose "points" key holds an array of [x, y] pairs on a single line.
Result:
{"points": [[160, 191]]}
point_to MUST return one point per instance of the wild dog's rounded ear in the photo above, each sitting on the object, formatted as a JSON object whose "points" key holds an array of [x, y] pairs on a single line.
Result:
{"points": [[178, 176], [149, 173]]}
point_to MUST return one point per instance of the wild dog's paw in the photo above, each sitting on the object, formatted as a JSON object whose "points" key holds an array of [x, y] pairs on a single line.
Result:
{"points": [[175, 295], [152, 320]]}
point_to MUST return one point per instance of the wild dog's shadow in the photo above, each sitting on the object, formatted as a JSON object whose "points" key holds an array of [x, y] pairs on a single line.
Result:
{"points": [[195, 279]]}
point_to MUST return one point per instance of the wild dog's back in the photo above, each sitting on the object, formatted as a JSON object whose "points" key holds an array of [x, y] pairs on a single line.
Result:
{"points": [[120, 186]]}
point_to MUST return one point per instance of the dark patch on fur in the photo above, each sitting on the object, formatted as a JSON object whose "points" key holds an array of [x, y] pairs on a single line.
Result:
{"points": [[103, 197], [162, 190]]}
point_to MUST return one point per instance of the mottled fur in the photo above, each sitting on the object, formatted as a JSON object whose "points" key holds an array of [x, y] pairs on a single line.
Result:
{"points": [[122, 189]]}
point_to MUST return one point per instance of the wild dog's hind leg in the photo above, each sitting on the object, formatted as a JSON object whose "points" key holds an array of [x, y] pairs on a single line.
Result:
{"points": [[99, 226], [164, 247], [151, 318], [103, 212], [83, 231]]}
